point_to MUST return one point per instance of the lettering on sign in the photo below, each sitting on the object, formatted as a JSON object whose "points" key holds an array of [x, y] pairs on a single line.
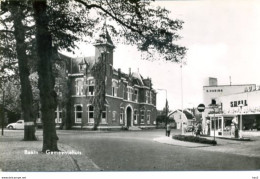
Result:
{"points": [[237, 103]]}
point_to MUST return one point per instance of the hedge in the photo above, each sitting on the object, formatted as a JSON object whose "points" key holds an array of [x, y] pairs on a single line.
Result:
{"points": [[194, 139]]}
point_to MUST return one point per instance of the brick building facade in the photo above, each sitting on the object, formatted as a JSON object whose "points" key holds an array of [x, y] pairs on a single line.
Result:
{"points": [[130, 99]]}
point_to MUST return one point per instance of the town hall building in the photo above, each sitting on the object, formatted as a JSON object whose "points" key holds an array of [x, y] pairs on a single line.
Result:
{"points": [[130, 100]]}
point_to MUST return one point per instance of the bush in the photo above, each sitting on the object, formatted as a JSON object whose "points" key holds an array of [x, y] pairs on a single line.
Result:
{"points": [[194, 139]]}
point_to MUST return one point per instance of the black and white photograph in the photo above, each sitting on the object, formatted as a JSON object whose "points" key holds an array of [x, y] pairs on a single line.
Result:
{"points": [[129, 88]]}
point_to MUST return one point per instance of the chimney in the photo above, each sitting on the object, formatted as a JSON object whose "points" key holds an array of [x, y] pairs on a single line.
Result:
{"points": [[119, 72], [129, 71]]}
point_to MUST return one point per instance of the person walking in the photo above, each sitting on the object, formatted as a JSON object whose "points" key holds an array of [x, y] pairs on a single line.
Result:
{"points": [[168, 130], [199, 129]]}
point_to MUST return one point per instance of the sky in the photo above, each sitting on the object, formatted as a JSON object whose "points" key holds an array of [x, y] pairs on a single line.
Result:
{"points": [[223, 40]]}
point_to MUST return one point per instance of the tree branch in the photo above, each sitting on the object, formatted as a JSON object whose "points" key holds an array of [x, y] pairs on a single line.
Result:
{"points": [[89, 6], [7, 31]]}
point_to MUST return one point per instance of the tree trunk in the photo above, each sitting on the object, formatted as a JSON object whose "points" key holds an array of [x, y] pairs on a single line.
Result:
{"points": [[67, 119], [48, 96], [26, 89]]}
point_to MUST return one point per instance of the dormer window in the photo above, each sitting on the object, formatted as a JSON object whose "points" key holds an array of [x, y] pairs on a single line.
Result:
{"points": [[82, 65]]}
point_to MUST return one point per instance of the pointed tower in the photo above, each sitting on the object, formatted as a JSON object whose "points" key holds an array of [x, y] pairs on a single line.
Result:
{"points": [[104, 46]]}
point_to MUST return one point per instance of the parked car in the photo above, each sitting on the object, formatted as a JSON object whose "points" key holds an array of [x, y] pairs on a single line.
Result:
{"points": [[189, 129], [17, 125]]}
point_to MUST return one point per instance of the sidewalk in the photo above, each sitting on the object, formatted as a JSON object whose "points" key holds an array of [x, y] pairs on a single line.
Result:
{"points": [[245, 148], [18, 155]]}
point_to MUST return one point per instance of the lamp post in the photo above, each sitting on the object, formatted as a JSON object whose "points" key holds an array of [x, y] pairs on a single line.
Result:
{"points": [[182, 129], [166, 109], [240, 130]]}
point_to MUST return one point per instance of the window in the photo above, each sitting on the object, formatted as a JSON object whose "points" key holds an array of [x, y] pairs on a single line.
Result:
{"points": [[151, 97], [114, 115], [78, 113], [90, 114], [81, 67], [39, 117], [142, 116], [79, 86], [91, 87], [148, 117], [104, 116], [135, 116], [121, 115], [114, 88], [136, 95], [58, 115], [213, 101], [129, 93], [218, 121], [147, 96]]}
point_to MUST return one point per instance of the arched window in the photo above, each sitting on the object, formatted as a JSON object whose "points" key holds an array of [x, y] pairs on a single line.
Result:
{"points": [[114, 115], [148, 117], [135, 116], [90, 114], [78, 113], [121, 115], [104, 116], [142, 111]]}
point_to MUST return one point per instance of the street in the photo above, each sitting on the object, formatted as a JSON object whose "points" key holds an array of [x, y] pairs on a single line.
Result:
{"points": [[137, 151]]}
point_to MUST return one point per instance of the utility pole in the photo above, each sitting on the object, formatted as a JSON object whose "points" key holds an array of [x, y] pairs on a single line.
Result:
{"points": [[182, 127]]}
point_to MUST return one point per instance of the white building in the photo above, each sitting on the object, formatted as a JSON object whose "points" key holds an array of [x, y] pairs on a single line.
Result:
{"points": [[188, 118], [232, 101]]}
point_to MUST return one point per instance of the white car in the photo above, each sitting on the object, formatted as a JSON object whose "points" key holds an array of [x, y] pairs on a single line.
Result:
{"points": [[17, 125]]}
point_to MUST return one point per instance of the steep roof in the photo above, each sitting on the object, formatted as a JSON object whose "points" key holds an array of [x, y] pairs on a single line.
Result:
{"points": [[104, 37]]}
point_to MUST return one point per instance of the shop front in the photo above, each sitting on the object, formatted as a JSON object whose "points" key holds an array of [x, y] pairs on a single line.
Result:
{"points": [[222, 125]]}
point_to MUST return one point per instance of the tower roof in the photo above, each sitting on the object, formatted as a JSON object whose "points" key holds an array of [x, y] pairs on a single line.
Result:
{"points": [[104, 37]]}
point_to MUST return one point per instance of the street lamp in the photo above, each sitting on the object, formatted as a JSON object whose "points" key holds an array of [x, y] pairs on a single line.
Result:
{"points": [[240, 130], [166, 109], [182, 129]]}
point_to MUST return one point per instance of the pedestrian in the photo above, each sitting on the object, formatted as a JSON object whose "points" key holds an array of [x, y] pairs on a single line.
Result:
{"points": [[199, 129], [168, 130]]}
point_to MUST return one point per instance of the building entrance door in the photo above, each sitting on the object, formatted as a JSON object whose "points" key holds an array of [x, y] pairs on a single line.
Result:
{"points": [[128, 116]]}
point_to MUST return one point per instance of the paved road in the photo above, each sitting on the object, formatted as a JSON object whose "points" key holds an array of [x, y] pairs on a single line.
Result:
{"points": [[136, 151]]}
